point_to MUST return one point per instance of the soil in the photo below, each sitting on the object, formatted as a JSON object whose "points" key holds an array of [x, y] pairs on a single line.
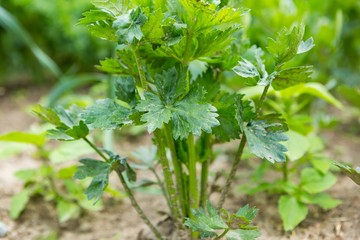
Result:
{"points": [[118, 220]]}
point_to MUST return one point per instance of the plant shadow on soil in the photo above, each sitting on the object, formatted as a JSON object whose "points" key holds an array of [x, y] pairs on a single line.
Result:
{"points": [[119, 221]]}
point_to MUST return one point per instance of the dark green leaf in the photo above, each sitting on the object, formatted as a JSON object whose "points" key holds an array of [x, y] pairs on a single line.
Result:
{"points": [[94, 16], [286, 45], [291, 212], [188, 115], [112, 6], [47, 115], [129, 26], [171, 84], [99, 172], [229, 127], [78, 132], [111, 65], [291, 76], [264, 142], [106, 114], [126, 90], [247, 213], [103, 30], [206, 222]]}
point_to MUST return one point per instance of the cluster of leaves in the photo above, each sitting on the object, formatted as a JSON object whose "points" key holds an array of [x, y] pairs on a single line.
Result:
{"points": [[315, 178], [170, 60], [48, 181], [210, 224]]}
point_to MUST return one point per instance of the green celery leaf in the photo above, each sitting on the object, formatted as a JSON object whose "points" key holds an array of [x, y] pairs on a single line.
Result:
{"points": [[78, 132], [353, 173], [18, 203], [292, 212], [291, 76], [254, 67], [247, 213], [27, 175], [99, 172], [171, 84], [242, 234], [324, 200], [112, 6], [321, 164], [286, 45], [69, 134], [128, 26], [111, 65], [103, 30], [94, 16], [264, 142], [229, 127], [22, 137], [67, 210], [188, 115], [228, 17], [126, 90], [305, 46], [47, 115], [106, 114], [312, 181], [153, 29], [206, 222], [174, 31], [297, 145], [69, 127]]}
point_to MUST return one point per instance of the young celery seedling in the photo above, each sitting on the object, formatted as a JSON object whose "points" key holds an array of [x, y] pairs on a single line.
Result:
{"points": [[171, 60]]}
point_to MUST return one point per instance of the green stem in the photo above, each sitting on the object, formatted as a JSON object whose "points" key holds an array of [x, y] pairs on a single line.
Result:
{"points": [[129, 193], [203, 182], [169, 183], [140, 69], [262, 99], [137, 207], [285, 170], [96, 149], [234, 167], [225, 190], [177, 169], [193, 188], [223, 234], [161, 184], [205, 171]]}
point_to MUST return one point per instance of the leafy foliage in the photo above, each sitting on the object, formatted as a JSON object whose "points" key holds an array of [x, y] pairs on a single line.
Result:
{"points": [[187, 115], [236, 226], [99, 171], [106, 114]]}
